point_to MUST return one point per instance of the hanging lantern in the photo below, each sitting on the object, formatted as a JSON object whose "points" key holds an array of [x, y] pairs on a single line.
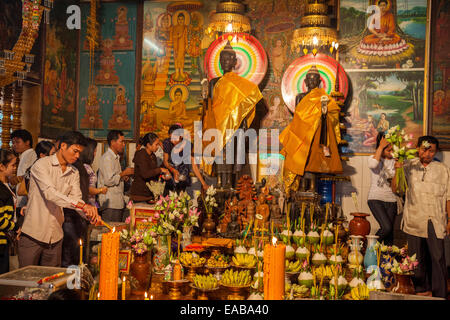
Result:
{"points": [[229, 18]]}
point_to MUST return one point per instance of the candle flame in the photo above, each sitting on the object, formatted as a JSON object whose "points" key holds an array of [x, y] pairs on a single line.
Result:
{"points": [[124, 279], [81, 242], [151, 297], [274, 241], [145, 294], [98, 295], [114, 229]]}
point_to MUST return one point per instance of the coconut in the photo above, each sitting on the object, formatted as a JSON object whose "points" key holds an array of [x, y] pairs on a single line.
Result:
{"points": [[305, 278], [335, 259], [290, 252], [342, 283], [256, 296], [302, 253], [298, 234], [319, 258], [285, 235], [356, 282], [328, 237], [261, 254], [240, 249], [252, 251], [313, 237]]}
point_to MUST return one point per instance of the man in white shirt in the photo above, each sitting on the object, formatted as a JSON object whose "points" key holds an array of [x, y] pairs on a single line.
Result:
{"points": [[54, 184], [110, 175], [425, 215], [22, 144]]}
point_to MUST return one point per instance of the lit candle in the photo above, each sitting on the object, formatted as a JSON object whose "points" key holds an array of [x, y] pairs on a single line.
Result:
{"points": [[98, 296], [274, 270], [146, 296], [123, 288], [179, 240], [151, 297], [109, 266], [81, 252]]}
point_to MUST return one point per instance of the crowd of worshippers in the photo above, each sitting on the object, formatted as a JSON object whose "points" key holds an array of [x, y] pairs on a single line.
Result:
{"points": [[50, 193]]}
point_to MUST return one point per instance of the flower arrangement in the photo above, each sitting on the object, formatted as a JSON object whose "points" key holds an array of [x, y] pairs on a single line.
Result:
{"points": [[156, 187], [210, 201], [398, 138], [406, 267], [175, 210], [141, 241]]}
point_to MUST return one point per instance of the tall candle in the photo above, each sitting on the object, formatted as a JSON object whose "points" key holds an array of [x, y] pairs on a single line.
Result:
{"points": [[146, 296], [81, 252], [274, 265], [123, 288], [109, 266]]}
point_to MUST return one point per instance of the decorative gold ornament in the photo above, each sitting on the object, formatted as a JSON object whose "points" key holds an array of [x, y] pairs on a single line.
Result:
{"points": [[315, 29], [229, 17], [12, 68]]}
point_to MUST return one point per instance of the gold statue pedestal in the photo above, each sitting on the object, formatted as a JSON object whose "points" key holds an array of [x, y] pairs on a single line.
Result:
{"points": [[175, 288]]}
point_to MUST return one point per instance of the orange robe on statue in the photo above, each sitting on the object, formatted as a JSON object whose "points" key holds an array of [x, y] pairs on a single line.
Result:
{"points": [[300, 139], [387, 26], [234, 99]]}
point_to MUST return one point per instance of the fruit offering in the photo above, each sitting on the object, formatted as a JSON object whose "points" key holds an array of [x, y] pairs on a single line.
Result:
{"points": [[297, 290], [191, 259], [217, 260], [324, 271], [360, 292], [208, 282], [292, 266], [244, 260], [236, 278]]}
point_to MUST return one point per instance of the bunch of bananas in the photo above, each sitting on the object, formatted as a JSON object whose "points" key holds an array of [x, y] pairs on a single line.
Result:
{"points": [[360, 292], [205, 282], [244, 260], [324, 271], [236, 278], [293, 266], [191, 260], [298, 290], [217, 261]]}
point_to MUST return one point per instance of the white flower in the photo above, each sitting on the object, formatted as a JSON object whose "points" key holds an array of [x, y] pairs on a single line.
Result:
{"points": [[403, 132], [406, 138], [426, 144], [395, 148], [387, 136]]}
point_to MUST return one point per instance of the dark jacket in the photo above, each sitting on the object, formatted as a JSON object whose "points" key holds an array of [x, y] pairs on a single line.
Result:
{"points": [[145, 169]]}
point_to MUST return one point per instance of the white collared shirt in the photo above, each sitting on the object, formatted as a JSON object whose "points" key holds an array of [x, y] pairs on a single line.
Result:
{"points": [[109, 176], [26, 160], [50, 191], [426, 198]]}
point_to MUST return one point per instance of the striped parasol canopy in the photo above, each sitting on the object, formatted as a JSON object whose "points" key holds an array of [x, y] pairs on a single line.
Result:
{"points": [[293, 81], [252, 58]]}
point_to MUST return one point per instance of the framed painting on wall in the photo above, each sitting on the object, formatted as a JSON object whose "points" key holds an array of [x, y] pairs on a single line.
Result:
{"points": [[386, 66], [108, 86], [439, 88], [59, 85]]}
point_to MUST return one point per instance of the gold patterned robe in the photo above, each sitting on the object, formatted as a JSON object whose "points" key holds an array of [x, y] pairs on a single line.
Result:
{"points": [[234, 99], [300, 139]]}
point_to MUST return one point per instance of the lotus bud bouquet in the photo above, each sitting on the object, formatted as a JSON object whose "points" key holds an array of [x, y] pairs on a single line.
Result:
{"points": [[210, 201], [141, 241], [407, 266], [401, 145], [175, 210]]}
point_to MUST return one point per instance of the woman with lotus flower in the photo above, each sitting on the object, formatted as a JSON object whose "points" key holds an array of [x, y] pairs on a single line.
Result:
{"points": [[427, 206], [381, 200]]}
